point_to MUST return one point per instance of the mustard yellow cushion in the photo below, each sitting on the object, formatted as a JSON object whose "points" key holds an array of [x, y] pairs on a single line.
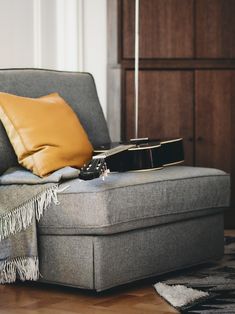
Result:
{"points": [[44, 132]]}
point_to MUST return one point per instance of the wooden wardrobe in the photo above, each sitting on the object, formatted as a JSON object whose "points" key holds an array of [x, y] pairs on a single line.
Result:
{"points": [[186, 78]]}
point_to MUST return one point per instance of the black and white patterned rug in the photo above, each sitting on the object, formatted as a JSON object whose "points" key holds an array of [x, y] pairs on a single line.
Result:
{"points": [[216, 282]]}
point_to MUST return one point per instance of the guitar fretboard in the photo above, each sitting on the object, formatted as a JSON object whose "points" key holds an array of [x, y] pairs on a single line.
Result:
{"points": [[113, 151]]}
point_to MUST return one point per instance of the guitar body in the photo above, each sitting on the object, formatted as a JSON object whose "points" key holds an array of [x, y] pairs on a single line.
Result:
{"points": [[144, 156]]}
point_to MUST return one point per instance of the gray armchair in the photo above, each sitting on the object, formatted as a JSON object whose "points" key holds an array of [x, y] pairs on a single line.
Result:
{"points": [[130, 226]]}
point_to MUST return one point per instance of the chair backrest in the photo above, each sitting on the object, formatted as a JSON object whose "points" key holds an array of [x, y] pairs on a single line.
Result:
{"points": [[78, 89]]}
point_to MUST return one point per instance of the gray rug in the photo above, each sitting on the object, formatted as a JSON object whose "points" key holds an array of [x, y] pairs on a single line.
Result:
{"points": [[212, 286]]}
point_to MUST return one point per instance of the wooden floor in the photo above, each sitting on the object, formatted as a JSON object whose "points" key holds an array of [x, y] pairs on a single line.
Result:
{"points": [[46, 299], [35, 298]]}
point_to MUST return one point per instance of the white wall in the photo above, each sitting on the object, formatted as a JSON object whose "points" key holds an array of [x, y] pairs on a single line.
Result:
{"points": [[95, 45], [16, 33], [56, 34], [47, 29]]}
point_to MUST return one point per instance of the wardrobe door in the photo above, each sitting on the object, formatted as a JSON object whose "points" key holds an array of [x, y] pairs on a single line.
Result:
{"points": [[215, 28], [166, 29], [215, 116], [165, 106]]}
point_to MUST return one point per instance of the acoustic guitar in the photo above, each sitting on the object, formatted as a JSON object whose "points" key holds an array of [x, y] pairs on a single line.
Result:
{"points": [[136, 155]]}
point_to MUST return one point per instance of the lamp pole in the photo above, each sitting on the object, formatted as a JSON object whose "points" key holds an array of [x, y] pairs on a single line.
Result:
{"points": [[136, 66]]}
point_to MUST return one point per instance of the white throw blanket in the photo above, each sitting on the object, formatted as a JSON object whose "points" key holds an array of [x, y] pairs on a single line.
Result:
{"points": [[24, 198]]}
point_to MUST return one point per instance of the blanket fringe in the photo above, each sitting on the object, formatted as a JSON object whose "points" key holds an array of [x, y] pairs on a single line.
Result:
{"points": [[26, 268], [21, 217]]}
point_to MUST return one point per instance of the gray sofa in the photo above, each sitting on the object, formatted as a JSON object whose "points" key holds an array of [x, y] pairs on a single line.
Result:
{"points": [[129, 226]]}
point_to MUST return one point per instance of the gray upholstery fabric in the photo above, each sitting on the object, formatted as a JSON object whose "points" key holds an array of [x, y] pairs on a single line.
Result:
{"points": [[125, 201], [78, 89], [156, 250], [101, 262], [67, 260], [8, 157]]}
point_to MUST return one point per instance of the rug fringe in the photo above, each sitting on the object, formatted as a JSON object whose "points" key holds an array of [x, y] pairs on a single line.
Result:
{"points": [[21, 217], [27, 268]]}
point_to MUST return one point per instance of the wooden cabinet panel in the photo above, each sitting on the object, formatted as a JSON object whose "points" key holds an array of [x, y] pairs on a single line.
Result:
{"points": [[165, 106], [166, 28], [215, 129], [215, 28]]}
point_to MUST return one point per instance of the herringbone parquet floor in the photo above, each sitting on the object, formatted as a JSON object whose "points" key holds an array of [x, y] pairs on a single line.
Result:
{"points": [[35, 298]]}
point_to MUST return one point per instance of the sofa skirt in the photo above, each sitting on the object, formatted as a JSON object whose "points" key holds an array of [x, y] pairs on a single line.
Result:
{"points": [[100, 262]]}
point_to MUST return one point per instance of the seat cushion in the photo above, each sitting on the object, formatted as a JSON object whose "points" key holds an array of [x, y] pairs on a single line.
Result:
{"points": [[131, 200]]}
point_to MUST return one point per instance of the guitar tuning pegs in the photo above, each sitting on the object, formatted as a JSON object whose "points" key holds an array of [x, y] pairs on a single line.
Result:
{"points": [[104, 172]]}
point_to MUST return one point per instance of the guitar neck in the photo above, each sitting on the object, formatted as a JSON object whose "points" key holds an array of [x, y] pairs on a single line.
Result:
{"points": [[113, 151]]}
